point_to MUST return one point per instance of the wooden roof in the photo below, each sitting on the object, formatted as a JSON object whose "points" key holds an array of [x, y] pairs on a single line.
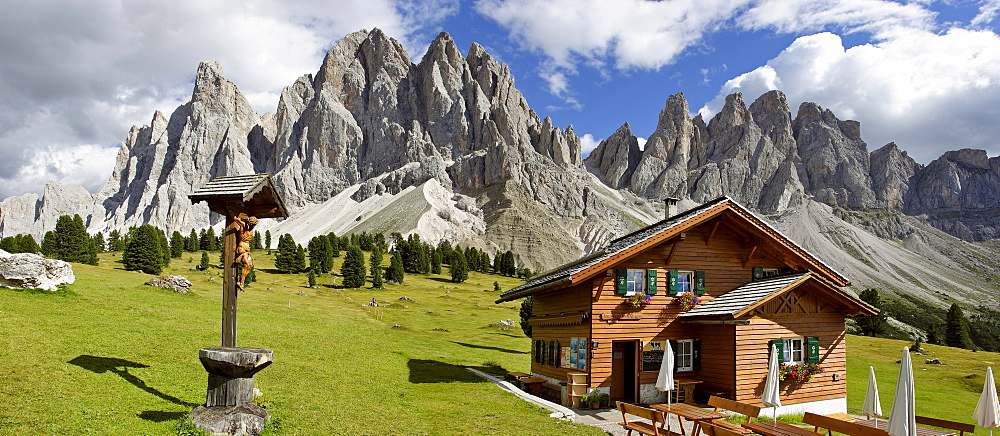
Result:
{"points": [[744, 299], [253, 194], [629, 245]]}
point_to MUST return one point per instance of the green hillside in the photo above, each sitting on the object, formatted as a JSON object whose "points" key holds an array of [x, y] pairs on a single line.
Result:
{"points": [[111, 356], [108, 355]]}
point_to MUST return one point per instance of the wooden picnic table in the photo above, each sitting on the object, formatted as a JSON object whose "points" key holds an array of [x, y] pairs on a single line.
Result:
{"points": [[517, 375], [532, 384], [688, 385], [921, 431], [695, 414], [778, 428]]}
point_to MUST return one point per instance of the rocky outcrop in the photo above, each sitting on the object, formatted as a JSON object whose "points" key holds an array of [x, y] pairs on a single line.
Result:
{"points": [[958, 194], [835, 161], [614, 160], [891, 171], [32, 271]]}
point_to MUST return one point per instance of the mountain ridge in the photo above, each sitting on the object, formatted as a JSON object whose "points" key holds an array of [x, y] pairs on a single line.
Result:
{"points": [[493, 174]]}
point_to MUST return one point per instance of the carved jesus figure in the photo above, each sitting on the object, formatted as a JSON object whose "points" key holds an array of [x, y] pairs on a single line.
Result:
{"points": [[244, 234]]}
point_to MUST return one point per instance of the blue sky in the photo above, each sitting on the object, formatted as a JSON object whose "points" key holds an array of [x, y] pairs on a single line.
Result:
{"points": [[923, 73]]}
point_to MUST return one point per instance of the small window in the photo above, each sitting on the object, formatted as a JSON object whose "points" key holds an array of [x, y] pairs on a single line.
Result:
{"points": [[636, 281], [769, 272], [684, 355], [794, 351], [685, 281]]}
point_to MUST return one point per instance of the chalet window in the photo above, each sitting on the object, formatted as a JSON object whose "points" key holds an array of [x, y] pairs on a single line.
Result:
{"points": [[684, 354], [636, 281], [796, 351], [539, 345], [679, 282], [554, 353], [578, 353]]}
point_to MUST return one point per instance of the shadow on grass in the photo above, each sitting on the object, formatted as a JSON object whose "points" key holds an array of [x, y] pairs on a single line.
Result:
{"points": [[487, 347], [161, 416], [433, 371], [119, 367], [509, 335], [442, 279]]}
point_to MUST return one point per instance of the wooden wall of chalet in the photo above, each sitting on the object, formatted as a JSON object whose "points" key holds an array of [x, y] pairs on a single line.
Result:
{"points": [[800, 314], [727, 261], [558, 316]]}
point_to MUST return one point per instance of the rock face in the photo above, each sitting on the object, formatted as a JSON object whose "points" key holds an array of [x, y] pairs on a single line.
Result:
{"points": [[450, 148], [32, 271]]}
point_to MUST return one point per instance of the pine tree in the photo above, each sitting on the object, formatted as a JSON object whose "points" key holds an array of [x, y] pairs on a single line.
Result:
{"points": [[115, 242], [508, 266], [285, 260], [327, 253], [334, 245], [312, 278], [436, 262], [459, 269], [204, 261], [91, 256], [208, 241], [255, 243], [876, 325], [395, 272], [353, 268], [423, 259], [376, 267], [267, 240], [99, 243], [8, 244], [956, 330], [50, 244], [527, 310], [176, 244], [191, 244], [933, 335], [300, 259], [71, 241], [318, 253], [143, 251]]}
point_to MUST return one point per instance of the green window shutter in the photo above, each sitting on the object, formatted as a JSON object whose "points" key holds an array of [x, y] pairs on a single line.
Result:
{"points": [[758, 273], [812, 350], [651, 281], [621, 281], [780, 345], [699, 282], [696, 354], [672, 282], [673, 346]]}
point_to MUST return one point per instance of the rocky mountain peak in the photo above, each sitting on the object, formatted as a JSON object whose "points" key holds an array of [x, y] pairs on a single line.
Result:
{"points": [[836, 159], [615, 158], [891, 171]]}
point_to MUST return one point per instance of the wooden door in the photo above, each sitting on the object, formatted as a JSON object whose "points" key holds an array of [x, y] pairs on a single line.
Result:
{"points": [[624, 371]]}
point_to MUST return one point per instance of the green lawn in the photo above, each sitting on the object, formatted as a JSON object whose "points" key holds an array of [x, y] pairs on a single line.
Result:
{"points": [[948, 391], [111, 356]]}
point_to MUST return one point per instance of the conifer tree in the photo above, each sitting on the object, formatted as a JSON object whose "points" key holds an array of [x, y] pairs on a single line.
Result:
{"points": [[115, 241], [208, 241], [312, 278], [176, 244], [285, 260], [458, 267], [255, 243], [527, 310], [395, 272], [876, 325], [334, 245], [327, 253], [70, 242], [191, 244], [267, 240], [99, 243], [204, 261], [91, 257], [956, 330], [423, 260], [376, 267], [143, 252], [300, 259], [436, 262], [164, 246], [353, 268], [50, 244], [317, 253]]}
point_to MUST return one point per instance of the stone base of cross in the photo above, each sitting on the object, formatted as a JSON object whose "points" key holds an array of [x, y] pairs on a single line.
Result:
{"points": [[229, 407]]}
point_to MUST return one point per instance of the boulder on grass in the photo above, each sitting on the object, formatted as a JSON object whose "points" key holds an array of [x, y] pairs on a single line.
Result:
{"points": [[32, 271], [179, 284]]}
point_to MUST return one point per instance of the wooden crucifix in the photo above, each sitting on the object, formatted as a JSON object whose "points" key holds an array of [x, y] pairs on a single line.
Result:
{"points": [[242, 200]]}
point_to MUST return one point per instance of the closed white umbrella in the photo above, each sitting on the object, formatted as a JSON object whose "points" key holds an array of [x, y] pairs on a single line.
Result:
{"points": [[987, 413], [665, 380], [903, 417], [772, 389], [872, 405]]}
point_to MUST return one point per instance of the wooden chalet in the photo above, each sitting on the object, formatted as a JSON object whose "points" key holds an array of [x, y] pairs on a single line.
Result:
{"points": [[755, 289]]}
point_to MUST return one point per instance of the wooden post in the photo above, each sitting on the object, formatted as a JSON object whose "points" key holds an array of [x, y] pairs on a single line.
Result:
{"points": [[229, 284]]}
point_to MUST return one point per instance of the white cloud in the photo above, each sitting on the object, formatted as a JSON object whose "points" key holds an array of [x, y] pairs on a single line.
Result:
{"points": [[877, 17], [987, 13], [588, 144], [80, 73], [927, 92]]}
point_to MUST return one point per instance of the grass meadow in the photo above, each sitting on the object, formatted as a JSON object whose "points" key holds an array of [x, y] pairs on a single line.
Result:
{"points": [[108, 355]]}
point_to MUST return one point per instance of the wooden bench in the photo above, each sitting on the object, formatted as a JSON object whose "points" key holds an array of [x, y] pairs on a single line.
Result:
{"points": [[835, 424], [654, 416], [551, 390], [750, 411], [712, 429], [961, 427]]}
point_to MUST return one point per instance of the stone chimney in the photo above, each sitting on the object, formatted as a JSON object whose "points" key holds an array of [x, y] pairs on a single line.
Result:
{"points": [[670, 207]]}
